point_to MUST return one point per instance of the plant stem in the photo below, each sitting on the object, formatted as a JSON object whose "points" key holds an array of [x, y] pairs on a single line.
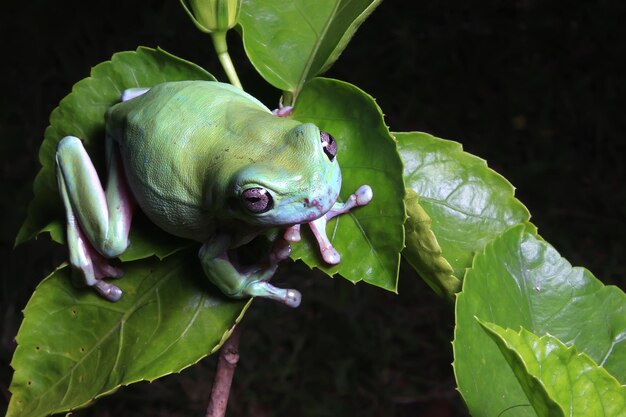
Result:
{"points": [[221, 48], [226, 364], [288, 98]]}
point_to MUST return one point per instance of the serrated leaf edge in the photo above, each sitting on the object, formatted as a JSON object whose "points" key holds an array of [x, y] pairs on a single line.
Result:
{"points": [[114, 328]]}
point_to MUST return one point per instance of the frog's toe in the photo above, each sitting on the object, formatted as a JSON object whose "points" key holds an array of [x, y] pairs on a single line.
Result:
{"points": [[289, 297], [108, 291], [330, 255], [105, 270], [364, 195], [292, 234], [283, 111], [293, 298]]}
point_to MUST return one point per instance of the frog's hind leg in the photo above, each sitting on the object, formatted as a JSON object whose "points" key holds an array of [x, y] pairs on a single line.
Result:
{"points": [[98, 220]]}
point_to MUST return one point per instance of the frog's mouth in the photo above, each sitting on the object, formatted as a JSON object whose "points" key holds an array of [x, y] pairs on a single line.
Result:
{"points": [[322, 198], [289, 210], [316, 207]]}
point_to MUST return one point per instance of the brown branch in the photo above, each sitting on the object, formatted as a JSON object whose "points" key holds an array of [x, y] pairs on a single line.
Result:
{"points": [[227, 362]]}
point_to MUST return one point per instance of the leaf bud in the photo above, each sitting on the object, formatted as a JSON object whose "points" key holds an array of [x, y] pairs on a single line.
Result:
{"points": [[213, 15]]}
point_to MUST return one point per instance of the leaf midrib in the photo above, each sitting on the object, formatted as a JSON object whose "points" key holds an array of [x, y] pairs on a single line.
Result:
{"points": [[314, 50]]}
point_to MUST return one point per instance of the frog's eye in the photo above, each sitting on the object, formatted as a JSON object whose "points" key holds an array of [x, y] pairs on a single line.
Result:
{"points": [[329, 145], [257, 200]]}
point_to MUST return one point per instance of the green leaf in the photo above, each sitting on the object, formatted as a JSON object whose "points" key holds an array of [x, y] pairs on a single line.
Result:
{"points": [[81, 114], [370, 238], [74, 346], [290, 42], [146, 240], [423, 252], [557, 378], [521, 281], [468, 203]]}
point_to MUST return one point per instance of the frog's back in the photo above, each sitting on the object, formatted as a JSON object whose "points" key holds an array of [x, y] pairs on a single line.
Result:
{"points": [[171, 139]]}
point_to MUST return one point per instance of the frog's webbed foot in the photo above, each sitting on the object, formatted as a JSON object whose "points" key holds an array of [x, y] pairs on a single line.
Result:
{"points": [[238, 281], [361, 197], [90, 267]]}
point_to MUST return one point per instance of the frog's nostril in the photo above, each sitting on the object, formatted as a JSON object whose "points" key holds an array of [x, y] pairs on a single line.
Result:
{"points": [[315, 202]]}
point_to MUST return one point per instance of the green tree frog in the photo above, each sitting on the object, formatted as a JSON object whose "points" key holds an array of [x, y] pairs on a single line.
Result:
{"points": [[208, 162]]}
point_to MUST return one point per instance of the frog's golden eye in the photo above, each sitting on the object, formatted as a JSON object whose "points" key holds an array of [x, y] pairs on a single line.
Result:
{"points": [[329, 145], [257, 200]]}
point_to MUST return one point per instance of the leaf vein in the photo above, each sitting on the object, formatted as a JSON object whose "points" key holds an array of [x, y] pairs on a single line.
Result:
{"points": [[106, 336], [187, 327], [315, 49], [307, 20], [434, 201]]}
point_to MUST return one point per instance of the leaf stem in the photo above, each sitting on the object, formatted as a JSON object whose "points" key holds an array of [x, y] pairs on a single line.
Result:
{"points": [[221, 48], [226, 364]]}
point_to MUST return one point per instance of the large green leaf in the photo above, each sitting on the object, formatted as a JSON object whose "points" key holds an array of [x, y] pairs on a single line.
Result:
{"points": [[370, 238], [74, 346], [468, 203], [81, 113], [557, 378], [521, 281], [290, 42]]}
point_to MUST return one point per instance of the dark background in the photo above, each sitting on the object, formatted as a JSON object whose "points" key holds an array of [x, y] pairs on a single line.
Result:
{"points": [[535, 87]]}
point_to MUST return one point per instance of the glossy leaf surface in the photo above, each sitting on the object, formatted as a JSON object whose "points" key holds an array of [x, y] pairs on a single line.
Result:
{"points": [[521, 281], [290, 42], [74, 346], [468, 203], [81, 114], [369, 238], [557, 379]]}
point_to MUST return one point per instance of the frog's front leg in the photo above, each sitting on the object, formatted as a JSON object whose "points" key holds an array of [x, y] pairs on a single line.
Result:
{"points": [[240, 282], [361, 197], [98, 221]]}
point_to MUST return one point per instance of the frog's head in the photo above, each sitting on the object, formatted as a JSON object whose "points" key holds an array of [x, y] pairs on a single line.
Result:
{"points": [[297, 181]]}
